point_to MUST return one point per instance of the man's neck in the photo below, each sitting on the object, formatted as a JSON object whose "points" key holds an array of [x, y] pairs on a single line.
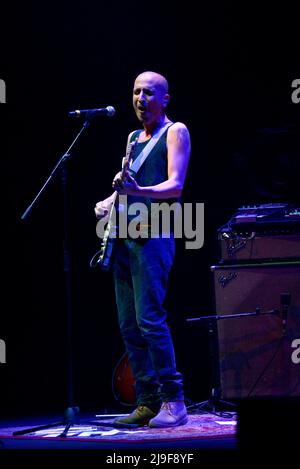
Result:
{"points": [[150, 129]]}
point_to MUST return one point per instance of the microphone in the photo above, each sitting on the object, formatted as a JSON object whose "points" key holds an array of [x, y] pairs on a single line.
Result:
{"points": [[102, 111]]}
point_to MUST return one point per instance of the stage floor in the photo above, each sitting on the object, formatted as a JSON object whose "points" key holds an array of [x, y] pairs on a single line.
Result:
{"points": [[204, 432]]}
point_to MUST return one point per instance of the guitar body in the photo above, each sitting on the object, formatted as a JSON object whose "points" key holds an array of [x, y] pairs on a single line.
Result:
{"points": [[106, 251], [108, 240], [123, 382]]}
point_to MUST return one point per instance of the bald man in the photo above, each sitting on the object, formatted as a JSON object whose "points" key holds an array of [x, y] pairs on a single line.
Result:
{"points": [[141, 265]]}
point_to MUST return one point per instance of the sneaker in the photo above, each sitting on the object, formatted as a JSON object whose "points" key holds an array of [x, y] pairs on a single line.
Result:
{"points": [[171, 414], [138, 418]]}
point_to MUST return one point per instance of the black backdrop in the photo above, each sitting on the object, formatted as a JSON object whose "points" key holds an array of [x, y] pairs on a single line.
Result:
{"points": [[230, 68]]}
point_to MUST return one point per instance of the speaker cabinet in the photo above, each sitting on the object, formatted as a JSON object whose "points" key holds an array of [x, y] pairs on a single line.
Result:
{"points": [[259, 248], [258, 355]]}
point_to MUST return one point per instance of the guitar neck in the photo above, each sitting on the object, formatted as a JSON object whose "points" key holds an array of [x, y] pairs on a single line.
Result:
{"points": [[114, 203]]}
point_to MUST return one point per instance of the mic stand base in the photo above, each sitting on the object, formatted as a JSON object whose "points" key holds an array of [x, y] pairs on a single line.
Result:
{"points": [[214, 405], [69, 420]]}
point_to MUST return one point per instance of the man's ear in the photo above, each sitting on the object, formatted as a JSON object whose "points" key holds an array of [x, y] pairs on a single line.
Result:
{"points": [[166, 99]]}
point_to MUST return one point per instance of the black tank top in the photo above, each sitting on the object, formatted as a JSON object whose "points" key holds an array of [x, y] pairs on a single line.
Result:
{"points": [[153, 171]]}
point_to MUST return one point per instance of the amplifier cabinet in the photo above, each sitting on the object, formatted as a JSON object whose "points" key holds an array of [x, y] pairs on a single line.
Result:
{"points": [[258, 356], [257, 246]]}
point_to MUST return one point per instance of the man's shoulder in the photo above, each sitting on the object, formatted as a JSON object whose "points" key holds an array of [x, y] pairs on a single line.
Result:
{"points": [[177, 127]]}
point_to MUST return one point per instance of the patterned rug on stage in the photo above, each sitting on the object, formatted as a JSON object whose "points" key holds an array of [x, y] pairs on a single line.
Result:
{"points": [[199, 426]]}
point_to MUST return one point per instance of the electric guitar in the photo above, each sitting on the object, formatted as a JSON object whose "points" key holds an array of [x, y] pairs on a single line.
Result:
{"points": [[104, 255]]}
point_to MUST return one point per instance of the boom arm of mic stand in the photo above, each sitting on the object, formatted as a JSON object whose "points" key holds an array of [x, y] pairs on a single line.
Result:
{"points": [[217, 317], [60, 162]]}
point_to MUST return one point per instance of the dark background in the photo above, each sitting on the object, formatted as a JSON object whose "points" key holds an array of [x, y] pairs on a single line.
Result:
{"points": [[230, 66]]}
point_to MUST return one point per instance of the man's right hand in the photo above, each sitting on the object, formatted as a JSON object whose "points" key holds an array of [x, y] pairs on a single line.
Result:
{"points": [[102, 208]]}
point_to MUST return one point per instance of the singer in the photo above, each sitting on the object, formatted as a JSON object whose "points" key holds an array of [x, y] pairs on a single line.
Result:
{"points": [[141, 266]]}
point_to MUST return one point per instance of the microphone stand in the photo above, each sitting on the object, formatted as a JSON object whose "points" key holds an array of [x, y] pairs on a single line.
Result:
{"points": [[61, 166], [214, 402], [285, 299]]}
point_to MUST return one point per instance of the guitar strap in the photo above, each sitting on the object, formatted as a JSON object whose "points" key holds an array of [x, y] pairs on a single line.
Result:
{"points": [[136, 164]]}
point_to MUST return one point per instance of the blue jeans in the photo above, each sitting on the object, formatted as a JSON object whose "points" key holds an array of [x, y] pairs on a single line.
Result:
{"points": [[141, 270]]}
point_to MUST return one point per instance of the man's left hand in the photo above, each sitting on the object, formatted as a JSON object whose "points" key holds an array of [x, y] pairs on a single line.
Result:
{"points": [[126, 184]]}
